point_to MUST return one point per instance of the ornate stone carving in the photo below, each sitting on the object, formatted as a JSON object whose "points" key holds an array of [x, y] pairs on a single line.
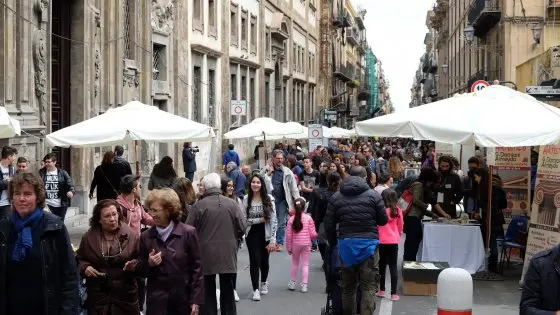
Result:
{"points": [[42, 9], [40, 66], [97, 56], [131, 77], [162, 16]]}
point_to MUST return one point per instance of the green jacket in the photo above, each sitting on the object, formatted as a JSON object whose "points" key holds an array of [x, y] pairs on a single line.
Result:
{"points": [[419, 207]]}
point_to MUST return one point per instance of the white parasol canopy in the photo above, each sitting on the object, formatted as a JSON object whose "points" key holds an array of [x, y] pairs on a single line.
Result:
{"points": [[264, 126], [9, 126], [496, 116], [337, 132], [133, 121]]}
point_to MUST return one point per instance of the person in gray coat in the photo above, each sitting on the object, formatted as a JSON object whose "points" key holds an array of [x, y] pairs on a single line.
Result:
{"points": [[219, 224]]}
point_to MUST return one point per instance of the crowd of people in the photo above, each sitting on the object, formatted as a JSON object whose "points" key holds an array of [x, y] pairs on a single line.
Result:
{"points": [[350, 201]]}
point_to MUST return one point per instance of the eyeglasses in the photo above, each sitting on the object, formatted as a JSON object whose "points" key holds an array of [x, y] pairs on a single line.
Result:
{"points": [[110, 257]]}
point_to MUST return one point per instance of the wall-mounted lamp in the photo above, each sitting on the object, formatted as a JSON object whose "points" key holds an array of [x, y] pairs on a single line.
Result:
{"points": [[537, 32], [445, 67], [469, 33]]}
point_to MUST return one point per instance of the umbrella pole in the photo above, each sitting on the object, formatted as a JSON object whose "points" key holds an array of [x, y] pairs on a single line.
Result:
{"points": [[265, 150], [137, 161], [486, 275]]}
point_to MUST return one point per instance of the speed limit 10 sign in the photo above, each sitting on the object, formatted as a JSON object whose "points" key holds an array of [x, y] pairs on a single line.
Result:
{"points": [[479, 85]]}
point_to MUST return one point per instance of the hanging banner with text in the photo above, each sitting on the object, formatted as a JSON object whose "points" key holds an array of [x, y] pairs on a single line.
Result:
{"points": [[543, 227], [513, 165]]}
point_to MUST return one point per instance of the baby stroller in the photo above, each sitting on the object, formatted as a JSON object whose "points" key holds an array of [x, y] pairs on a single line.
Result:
{"points": [[331, 266]]}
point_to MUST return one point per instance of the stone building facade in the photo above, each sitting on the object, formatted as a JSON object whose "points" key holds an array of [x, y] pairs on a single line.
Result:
{"points": [[65, 61]]}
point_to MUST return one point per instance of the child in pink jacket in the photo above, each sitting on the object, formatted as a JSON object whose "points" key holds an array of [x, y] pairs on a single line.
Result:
{"points": [[300, 231], [389, 239]]}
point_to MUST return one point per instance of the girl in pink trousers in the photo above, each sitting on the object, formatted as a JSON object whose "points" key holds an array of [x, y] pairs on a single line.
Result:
{"points": [[389, 239], [300, 231]]}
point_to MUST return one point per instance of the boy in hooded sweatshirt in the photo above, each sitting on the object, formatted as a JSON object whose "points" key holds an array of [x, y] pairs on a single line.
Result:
{"points": [[230, 156]]}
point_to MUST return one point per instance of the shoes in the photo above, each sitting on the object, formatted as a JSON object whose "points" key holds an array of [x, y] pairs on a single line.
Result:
{"points": [[395, 297], [279, 248], [380, 294], [235, 296], [313, 248], [304, 288], [292, 285], [264, 288], [256, 295]]}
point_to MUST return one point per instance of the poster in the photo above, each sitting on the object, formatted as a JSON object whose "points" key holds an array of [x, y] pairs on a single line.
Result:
{"points": [[513, 165], [543, 227]]}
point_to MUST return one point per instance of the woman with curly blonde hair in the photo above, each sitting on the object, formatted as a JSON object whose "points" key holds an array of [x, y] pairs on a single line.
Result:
{"points": [[396, 169]]}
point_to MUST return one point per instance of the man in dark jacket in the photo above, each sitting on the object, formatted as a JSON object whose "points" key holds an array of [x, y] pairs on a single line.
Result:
{"points": [[450, 191], [357, 210], [121, 163], [189, 160], [541, 285]]}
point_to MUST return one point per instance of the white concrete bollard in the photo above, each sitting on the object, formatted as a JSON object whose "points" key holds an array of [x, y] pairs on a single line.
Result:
{"points": [[454, 292]]}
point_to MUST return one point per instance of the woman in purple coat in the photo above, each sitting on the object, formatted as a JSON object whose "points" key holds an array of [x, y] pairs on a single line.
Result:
{"points": [[169, 256]]}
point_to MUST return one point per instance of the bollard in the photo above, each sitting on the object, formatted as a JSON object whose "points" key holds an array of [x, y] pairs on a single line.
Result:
{"points": [[454, 292]]}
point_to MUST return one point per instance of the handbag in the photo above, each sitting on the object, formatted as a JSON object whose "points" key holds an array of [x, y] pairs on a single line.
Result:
{"points": [[405, 202]]}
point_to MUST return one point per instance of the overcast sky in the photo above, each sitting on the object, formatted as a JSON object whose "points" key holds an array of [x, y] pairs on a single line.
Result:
{"points": [[395, 32]]}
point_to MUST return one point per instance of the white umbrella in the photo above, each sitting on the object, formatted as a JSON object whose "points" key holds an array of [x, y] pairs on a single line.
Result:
{"points": [[9, 126], [133, 121], [295, 126], [497, 116], [337, 132], [263, 126]]}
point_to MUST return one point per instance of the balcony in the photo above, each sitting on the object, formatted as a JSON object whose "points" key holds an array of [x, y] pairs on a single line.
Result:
{"points": [[279, 28], [553, 9], [432, 67], [352, 36], [342, 19], [362, 47], [425, 63], [484, 15], [364, 91], [344, 72]]}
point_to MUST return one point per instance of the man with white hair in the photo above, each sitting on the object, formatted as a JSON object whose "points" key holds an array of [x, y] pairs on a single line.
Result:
{"points": [[219, 225]]}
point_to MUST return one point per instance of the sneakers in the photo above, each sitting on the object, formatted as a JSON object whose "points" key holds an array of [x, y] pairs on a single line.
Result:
{"points": [[292, 285], [235, 296], [395, 297], [256, 295], [380, 294], [279, 247], [304, 288], [264, 288]]}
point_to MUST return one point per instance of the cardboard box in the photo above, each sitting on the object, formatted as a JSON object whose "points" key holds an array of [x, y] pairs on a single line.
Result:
{"points": [[420, 278]]}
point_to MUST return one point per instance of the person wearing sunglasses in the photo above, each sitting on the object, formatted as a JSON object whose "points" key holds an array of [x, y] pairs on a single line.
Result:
{"points": [[107, 258]]}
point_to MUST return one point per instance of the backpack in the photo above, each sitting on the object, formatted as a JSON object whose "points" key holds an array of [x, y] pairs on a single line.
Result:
{"points": [[381, 167]]}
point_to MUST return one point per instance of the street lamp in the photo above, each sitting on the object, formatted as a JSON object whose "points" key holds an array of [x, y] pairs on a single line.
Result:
{"points": [[537, 32], [469, 33]]}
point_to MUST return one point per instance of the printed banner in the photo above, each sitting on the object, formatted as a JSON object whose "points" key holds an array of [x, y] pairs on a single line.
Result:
{"points": [[513, 165], [543, 227]]}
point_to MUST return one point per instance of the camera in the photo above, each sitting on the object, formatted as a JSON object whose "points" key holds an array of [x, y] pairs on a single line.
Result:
{"points": [[195, 149]]}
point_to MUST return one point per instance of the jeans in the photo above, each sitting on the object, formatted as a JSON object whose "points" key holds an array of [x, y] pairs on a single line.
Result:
{"points": [[141, 282], [388, 254], [59, 211], [227, 300], [493, 257], [366, 274], [300, 257], [414, 234], [258, 255], [189, 176], [282, 216]]}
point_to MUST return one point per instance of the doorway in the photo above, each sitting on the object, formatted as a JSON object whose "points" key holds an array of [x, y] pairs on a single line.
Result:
{"points": [[60, 76]]}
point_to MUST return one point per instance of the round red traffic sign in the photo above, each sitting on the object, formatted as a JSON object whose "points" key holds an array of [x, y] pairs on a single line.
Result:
{"points": [[238, 109], [479, 85], [315, 133]]}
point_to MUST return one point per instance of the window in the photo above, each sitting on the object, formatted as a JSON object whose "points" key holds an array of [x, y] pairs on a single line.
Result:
{"points": [[266, 110], [310, 58], [233, 82], [294, 102], [129, 31], [212, 14], [294, 56], [198, 14], [253, 35], [159, 70], [244, 30], [244, 95], [197, 94], [267, 48], [212, 97], [234, 25]]}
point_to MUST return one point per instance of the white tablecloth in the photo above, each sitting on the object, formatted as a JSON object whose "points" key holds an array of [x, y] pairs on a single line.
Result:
{"points": [[459, 245]]}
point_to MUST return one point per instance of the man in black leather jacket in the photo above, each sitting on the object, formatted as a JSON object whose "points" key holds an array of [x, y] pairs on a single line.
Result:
{"points": [[541, 285]]}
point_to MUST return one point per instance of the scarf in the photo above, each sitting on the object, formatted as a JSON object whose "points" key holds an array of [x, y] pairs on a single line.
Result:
{"points": [[24, 240], [165, 232]]}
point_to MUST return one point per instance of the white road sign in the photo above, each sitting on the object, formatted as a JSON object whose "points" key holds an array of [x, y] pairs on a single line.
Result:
{"points": [[238, 108], [479, 85]]}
